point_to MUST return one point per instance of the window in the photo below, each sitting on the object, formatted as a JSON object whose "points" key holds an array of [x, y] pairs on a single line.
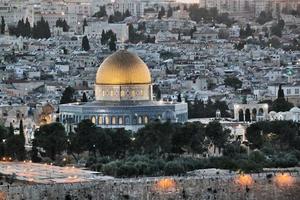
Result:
{"points": [[133, 93], [107, 120], [113, 120], [288, 91], [94, 120], [120, 120], [297, 91], [140, 120], [146, 119], [100, 120], [122, 93]]}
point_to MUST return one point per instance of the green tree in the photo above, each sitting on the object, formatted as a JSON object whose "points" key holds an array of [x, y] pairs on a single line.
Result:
{"points": [[68, 95], [264, 17], [63, 24], [112, 42], [103, 38], [84, 25], [190, 138], [277, 28], [161, 13], [85, 43], [27, 28], [84, 98], [233, 82], [11, 129], [101, 12], [170, 12], [2, 29], [157, 92], [41, 29], [131, 33], [280, 104], [127, 13], [3, 135], [86, 136], [217, 134], [52, 138]]}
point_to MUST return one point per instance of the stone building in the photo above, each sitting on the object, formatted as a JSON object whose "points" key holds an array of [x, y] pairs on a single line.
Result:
{"points": [[124, 98]]}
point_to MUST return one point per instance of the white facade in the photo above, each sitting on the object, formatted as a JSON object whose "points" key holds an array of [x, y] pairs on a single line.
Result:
{"points": [[135, 7], [94, 30]]}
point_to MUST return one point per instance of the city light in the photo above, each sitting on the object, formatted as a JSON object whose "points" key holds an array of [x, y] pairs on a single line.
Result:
{"points": [[244, 180], [166, 185], [284, 180]]}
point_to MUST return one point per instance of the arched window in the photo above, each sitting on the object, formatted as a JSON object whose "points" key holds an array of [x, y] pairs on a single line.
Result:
{"points": [[120, 120], [133, 93], [107, 120], [93, 119], [113, 120], [247, 115], [100, 120], [146, 120], [140, 120], [254, 113], [241, 115], [122, 93]]}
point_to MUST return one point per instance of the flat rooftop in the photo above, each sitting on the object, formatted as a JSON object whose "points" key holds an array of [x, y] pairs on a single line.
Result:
{"points": [[46, 174]]}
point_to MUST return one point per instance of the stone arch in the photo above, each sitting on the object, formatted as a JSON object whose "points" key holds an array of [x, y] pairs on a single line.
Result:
{"points": [[247, 115], [241, 115], [254, 113], [261, 111], [93, 119]]}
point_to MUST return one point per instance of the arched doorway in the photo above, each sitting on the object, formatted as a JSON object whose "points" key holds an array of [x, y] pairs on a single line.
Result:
{"points": [[261, 112], [247, 115], [241, 115], [254, 113]]}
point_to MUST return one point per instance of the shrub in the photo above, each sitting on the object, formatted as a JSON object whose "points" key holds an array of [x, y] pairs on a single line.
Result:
{"points": [[127, 170], [173, 168], [249, 166], [257, 156], [111, 168]]}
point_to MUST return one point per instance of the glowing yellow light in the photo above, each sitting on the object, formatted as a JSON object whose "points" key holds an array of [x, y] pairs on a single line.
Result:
{"points": [[284, 180], [244, 180], [166, 184]]}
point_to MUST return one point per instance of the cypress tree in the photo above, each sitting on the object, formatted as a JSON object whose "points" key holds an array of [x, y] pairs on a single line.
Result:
{"points": [[103, 41], [27, 28], [2, 25], [112, 43], [11, 130], [280, 94], [84, 98], [84, 25], [85, 43]]}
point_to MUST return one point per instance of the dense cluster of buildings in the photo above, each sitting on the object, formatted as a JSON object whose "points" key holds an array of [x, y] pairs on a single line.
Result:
{"points": [[180, 62]]}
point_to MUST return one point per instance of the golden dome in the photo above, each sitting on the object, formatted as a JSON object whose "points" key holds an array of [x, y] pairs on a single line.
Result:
{"points": [[123, 68]]}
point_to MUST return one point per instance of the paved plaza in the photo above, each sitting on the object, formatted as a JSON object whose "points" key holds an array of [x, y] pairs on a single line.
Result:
{"points": [[43, 173]]}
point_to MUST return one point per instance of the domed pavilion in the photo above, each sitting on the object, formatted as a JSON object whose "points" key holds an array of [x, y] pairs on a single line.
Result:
{"points": [[123, 93]]}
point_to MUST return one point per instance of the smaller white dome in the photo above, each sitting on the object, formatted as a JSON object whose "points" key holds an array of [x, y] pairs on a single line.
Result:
{"points": [[295, 109], [272, 113]]}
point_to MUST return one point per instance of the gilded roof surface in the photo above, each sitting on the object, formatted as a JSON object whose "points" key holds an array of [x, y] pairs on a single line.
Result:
{"points": [[123, 68]]}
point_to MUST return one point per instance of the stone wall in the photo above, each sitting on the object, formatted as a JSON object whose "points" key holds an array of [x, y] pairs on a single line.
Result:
{"points": [[218, 187]]}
